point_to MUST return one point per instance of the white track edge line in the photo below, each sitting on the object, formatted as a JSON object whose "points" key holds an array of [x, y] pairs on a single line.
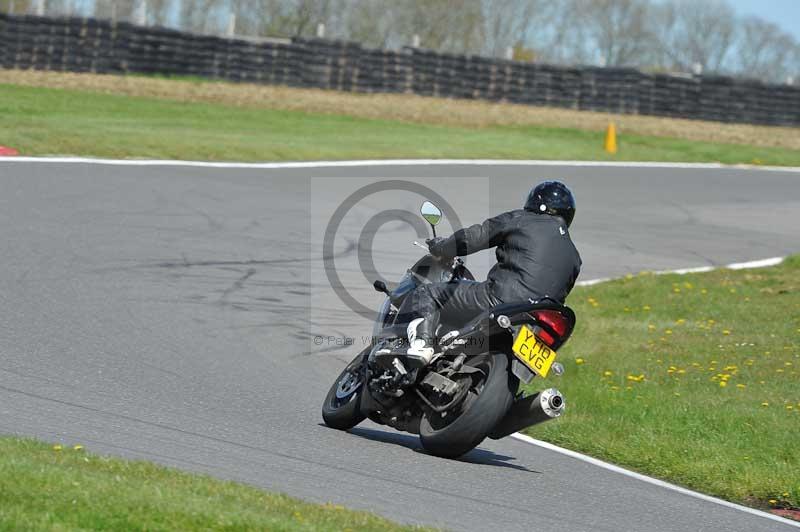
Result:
{"points": [[392, 162], [773, 261], [651, 480], [761, 263]]}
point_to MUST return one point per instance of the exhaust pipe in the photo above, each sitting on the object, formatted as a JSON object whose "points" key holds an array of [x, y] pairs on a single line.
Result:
{"points": [[529, 411]]}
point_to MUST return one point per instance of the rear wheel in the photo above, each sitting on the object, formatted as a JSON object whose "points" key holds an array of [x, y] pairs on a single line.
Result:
{"points": [[489, 398], [342, 407]]}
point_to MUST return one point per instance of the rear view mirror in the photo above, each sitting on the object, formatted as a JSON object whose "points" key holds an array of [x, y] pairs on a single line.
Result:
{"points": [[431, 213]]}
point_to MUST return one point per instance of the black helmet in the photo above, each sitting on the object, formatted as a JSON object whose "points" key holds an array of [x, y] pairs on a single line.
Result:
{"points": [[552, 197]]}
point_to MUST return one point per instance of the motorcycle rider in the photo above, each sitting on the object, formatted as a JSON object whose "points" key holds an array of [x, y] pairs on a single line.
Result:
{"points": [[535, 258]]}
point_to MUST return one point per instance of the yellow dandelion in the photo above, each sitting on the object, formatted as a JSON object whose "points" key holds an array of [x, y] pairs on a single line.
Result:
{"points": [[57, 447], [579, 361], [614, 388], [741, 386], [722, 384], [688, 285], [789, 407], [607, 373], [785, 494], [703, 291], [680, 321], [676, 290], [732, 290], [681, 371], [668, 331], [765, 403], [726, 332], [651, 327], [711, 322], [787, 363], [77, 447], [773, 502]]}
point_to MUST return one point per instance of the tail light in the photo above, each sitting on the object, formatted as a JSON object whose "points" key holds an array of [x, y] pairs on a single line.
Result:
{"points": [[553, 321]]}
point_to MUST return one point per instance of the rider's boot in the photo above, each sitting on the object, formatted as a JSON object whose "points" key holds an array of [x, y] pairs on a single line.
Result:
{"points": [[420, 340]]}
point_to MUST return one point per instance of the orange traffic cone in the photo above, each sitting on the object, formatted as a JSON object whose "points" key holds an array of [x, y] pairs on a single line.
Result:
{"points": [[611, 139]]}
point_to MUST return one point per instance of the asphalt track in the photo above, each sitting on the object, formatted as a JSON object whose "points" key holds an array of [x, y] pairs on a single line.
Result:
{"points": [[169, 313]]}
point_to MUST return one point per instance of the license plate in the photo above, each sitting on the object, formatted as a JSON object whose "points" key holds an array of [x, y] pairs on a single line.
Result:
{"points": [[533, 352]]}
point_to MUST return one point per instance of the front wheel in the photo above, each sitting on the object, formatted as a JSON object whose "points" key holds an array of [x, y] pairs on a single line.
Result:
{"points": [[489, 398], [342, 407]]}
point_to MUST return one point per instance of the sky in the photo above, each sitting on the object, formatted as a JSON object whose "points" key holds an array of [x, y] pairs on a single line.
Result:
{"points": [[784, 13]]}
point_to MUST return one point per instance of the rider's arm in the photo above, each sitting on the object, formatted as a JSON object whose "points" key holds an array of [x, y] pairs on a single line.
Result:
{"points": [[475, 237]]}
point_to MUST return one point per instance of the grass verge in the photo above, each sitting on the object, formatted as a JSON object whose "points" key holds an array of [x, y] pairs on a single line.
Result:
{"points": [[42, 121], [690, 378], [402, 107], [44, 487]]}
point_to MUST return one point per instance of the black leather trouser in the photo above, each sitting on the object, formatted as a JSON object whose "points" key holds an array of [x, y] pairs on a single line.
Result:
{"points": [[454, 302]]}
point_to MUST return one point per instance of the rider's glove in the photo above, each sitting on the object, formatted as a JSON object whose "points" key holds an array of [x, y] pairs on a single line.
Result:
{"points": [[435, 246]]}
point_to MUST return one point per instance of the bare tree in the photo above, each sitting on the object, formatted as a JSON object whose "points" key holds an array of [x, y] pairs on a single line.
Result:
{"points": [[451, 26], [122, 10], [695, 33], [292, 18], [15, 6], [204, 16], [509, 23], [562, 40], [616, 30], [764, 51], [370, 22]]}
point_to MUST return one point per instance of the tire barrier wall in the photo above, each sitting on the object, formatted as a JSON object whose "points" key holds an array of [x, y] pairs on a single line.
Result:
{"points": [[105, 47]]}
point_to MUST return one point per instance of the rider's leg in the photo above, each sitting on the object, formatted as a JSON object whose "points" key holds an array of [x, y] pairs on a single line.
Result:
{"points": [[421, 330], [456, 302]]}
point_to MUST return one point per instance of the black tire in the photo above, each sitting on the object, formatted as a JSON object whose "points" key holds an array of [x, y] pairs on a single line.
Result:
{"points": [[479, 415], [344, 412]]}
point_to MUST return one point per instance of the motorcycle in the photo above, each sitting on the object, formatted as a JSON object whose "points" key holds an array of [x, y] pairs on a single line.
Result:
{"points": [[470, 390]]}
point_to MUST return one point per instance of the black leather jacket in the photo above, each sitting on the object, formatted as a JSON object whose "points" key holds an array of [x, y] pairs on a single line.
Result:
{"points": [[535, 254]]}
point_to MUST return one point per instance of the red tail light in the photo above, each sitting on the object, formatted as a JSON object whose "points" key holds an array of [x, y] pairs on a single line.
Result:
{"points": [[553, 319]]}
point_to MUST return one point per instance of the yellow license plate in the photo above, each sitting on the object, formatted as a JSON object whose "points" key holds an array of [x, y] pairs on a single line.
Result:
{"points": [[533, 352]]}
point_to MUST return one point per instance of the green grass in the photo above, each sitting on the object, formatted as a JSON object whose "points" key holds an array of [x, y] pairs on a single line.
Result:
{"points": [[40, 121], [43, 487], [694, 379]]}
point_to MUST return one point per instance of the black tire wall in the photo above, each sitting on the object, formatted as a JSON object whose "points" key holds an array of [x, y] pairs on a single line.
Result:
{"points": [[103, 47]]}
